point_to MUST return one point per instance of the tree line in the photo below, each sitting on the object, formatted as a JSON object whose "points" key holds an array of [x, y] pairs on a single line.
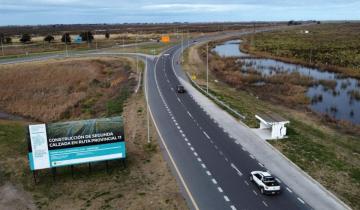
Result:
{"points": [[85, 36]]}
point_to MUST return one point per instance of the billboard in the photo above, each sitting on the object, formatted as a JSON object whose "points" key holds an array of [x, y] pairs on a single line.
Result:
{"points": [[75, 142], [165, 39]]}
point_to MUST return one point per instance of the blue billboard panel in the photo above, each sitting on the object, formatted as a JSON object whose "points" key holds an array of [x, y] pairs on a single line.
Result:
{"points": [[76, 142]]}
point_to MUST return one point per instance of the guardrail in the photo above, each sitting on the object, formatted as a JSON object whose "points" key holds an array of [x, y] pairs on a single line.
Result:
{"points": [[216, 100]]}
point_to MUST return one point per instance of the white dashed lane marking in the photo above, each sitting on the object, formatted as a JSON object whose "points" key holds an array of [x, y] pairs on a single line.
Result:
{"points": [[203, 165], [247, 183], [236, 169], [252, 156], [220, 190], [303, 202], [226, 198], [288, 189], [207, 136], [232, 207], [254, 192], [265, 204], [189, 114], [208, 173], [199, 159], [214, 181]]}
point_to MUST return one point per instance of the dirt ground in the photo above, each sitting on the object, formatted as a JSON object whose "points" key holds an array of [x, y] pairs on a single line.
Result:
{"points": [[145, 183]]}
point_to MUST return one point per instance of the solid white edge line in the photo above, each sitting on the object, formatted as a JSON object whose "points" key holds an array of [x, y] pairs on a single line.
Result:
{"points": [[162, 139]]}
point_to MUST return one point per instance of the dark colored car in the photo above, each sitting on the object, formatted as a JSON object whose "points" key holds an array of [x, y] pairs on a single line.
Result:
{"points": [[180, 89]]}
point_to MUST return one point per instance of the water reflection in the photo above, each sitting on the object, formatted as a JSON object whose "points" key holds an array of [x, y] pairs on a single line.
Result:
{"points": [[331, 96]]}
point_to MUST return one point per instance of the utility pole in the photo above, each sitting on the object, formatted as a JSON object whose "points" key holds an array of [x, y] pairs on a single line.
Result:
{"points": [[207, 67]]}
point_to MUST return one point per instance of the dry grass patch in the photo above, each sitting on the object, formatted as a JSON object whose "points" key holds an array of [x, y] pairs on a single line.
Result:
{"points": [[44, 91]]}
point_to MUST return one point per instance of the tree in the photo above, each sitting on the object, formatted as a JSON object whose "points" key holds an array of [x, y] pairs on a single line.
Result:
{"points": [[86, 36], [107, 35], [25, 38], [49, 38], [66, 38], [2, 38], [8, 40]]}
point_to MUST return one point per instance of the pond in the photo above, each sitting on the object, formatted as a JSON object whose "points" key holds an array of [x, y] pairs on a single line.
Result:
{"points": [[337, 101]]}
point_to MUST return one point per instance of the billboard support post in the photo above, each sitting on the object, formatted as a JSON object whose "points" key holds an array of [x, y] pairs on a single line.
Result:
{"points": [[34, 176], [107, 166], [89, 168], [72, 171], [53, 170]]}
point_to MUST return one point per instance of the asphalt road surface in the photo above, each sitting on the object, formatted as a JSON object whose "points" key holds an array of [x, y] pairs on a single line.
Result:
{"points": [[213, 170]]}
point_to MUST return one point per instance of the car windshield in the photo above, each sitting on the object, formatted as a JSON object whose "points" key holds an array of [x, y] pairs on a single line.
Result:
{"points": [[270, 181]]}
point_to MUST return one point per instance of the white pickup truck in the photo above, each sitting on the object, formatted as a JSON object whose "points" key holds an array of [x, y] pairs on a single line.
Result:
{"points": [[266, 182]]}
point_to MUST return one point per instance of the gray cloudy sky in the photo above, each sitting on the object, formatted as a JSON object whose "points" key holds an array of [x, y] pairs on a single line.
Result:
{"points": [[23, 12]]}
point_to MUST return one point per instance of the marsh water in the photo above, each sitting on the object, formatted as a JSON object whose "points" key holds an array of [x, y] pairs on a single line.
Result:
{"points": [[336, 101]]}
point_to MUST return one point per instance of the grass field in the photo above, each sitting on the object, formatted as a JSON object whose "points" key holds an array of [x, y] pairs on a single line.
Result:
{"points": [[38, 46], [106, 88], [331, 46], [328, 154]]}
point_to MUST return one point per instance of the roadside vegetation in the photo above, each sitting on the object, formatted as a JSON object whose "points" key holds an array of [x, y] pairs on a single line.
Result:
{"points": [[81, 88], [331, 46], [329, 152]]}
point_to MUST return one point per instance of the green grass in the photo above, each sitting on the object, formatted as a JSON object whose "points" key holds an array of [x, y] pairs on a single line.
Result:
{"points": [[329, 155], [115, 106], [336, 45]]}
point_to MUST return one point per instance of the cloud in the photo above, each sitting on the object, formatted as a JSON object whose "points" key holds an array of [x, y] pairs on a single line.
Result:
{"points": [[197, 7]]}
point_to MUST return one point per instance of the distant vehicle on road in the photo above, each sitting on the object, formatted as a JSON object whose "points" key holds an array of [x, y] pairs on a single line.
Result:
{"points": [[265, 181], [180, 89]]}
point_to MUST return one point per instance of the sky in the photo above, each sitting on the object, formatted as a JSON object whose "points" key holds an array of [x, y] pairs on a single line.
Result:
{"points": [[34, 12]]}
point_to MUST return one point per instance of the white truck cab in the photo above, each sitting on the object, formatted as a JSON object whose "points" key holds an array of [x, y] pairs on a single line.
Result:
{"points": [[265, 181]]}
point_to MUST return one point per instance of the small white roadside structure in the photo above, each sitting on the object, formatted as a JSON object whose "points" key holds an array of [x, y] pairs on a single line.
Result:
{"points": [[272, 126]]}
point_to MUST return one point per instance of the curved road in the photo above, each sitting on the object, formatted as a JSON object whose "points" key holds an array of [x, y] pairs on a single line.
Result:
{"points": [[212, 168]]}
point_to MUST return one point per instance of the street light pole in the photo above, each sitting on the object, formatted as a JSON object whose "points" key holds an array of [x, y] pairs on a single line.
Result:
{"points": [[137, 56], [66, 50], [96, 44], [182, 46], [147, 107], [207, 67]]}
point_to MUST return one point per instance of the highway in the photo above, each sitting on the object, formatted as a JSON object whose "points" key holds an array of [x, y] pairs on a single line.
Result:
{"points": [[212, 168]]}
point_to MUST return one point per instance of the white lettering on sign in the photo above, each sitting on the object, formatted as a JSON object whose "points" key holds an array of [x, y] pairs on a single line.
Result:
{"points": [[39, 146]]}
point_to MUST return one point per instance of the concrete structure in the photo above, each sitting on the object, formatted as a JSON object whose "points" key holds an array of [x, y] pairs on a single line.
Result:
{"points": [[272, 126]]}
